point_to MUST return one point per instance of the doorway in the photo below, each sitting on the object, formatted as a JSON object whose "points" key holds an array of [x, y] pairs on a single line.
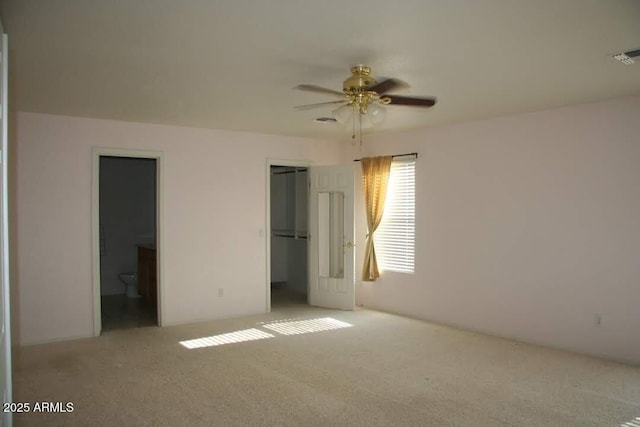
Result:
{"points": [[287, 234], [126, 240]]}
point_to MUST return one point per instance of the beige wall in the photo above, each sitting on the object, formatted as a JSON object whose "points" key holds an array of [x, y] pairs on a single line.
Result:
{"points": [[528, 227], [214, 209]]}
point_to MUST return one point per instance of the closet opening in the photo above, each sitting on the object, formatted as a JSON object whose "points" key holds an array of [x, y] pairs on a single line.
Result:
{"points": [[288, 236]]}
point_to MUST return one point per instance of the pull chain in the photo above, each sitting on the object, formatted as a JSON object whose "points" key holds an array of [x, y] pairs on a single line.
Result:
{"points": [[353, 124], [360, 126]]}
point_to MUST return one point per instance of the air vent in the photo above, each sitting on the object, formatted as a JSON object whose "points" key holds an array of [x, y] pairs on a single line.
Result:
{"points": [[325, 120], [627, 57]]}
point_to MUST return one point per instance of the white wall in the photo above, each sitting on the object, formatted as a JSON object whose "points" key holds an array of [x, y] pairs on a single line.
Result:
{"points": [[214, 209], [127, 216], [527, 227]]}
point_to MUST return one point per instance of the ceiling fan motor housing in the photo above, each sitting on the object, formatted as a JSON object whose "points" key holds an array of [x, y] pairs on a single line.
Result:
{"points": [[360, 79]]}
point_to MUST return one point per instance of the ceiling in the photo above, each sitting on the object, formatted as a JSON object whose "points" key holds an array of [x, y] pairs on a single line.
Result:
{"points": [[233, 64]]}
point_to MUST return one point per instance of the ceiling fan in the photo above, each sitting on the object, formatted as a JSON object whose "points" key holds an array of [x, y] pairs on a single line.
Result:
{"points": [[361, 90]]}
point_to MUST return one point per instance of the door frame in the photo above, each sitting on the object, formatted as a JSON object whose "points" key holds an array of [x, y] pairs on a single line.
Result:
{"points": [[158, 156], [7, 388], [269, 163]]}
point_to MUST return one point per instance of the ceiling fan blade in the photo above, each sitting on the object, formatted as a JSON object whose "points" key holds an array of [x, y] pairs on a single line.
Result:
{"points": [[319, 89], [388, 85], [415, 102], [320, 104]]}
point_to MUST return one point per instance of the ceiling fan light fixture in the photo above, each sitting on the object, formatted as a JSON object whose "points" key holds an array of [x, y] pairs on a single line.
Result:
{"points": [[376, 113], [344, 114], [348, 114]]}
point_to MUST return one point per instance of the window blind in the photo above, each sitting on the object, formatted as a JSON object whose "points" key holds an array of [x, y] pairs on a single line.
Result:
{"points": [[395, 237]]}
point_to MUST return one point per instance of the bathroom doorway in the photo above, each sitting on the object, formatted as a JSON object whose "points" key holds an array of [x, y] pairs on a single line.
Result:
{"points": [[128, 267], [287, 234]]}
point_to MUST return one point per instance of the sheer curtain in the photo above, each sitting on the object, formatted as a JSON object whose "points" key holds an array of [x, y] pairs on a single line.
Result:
{"points": [[375, 178]]}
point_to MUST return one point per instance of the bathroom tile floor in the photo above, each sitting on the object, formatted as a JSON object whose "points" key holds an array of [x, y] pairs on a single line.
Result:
{"points": [[283, 297], [122, 312]]}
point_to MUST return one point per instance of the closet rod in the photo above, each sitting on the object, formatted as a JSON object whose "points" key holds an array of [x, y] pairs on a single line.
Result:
{"points": [[396, 155], [289, 171]]}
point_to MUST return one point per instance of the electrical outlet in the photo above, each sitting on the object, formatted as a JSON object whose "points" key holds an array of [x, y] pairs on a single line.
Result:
{"points": [[597, 320], [220, 292]]}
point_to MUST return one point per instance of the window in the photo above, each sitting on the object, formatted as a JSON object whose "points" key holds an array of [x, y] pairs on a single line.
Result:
{"points": [[395, 237]]}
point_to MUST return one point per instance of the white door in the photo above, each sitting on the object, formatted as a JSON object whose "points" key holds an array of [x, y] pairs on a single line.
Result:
{"points": [[331, 234]]}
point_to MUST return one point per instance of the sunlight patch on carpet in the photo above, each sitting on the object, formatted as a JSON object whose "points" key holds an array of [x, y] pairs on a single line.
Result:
{"points": [[632, 423], [282, 327], [297, 327], [230, 338]]}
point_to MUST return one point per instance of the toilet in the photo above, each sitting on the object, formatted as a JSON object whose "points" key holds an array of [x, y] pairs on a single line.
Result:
{"points": [[130, 281]]}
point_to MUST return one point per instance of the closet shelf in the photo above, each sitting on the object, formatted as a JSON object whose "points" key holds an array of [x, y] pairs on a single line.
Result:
{"points": [[289, 233]]}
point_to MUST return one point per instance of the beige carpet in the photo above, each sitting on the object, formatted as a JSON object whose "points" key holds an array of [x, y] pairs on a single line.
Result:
{"points": [[384, 370]]}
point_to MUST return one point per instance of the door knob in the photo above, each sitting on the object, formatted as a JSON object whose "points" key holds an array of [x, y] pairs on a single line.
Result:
{"points": [[349, 245]]}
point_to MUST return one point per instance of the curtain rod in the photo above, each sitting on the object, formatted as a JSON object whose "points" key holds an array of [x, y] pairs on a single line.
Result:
{"points": [[396, 155]]}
